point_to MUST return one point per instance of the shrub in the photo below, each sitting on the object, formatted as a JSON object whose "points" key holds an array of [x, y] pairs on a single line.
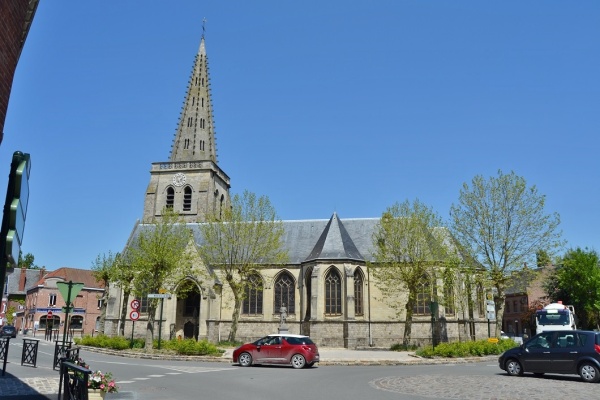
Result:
{"points": [[403, 347], [477, 348], [115, 342], [225, 343], [186, 346]]}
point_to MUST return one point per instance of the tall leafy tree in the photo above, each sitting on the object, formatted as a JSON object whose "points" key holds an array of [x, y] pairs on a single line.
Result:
{"points": [[103, 269], [238, 241], [576, 281], [503, 223], [123, 277], [409, 245], [160, 255]]}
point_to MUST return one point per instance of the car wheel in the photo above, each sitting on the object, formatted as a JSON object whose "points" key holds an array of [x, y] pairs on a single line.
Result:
{"points": [[298, 361], [245, 359], [589, 372], [513, 367]]}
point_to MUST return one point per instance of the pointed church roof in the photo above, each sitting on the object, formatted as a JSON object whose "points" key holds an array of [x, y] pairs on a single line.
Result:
{"points": [[335, 243], [195, 136]]}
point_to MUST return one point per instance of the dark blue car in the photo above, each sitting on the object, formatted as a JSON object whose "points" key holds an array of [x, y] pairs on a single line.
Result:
{"points": [[556, 352], [8, 331]]}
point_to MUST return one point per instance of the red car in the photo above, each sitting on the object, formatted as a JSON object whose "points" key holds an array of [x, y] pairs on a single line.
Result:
{"points": [[297, 350]]}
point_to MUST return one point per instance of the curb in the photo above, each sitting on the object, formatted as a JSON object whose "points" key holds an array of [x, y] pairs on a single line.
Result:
{"points": [[226, 358]]}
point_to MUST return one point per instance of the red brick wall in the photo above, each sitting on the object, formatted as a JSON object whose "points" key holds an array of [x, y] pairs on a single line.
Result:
{"points": [[16, 16]]}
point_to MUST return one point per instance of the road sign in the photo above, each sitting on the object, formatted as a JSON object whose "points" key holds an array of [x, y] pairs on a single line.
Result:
{"points": [[15, 208], [159, 296], [134, 315], [490, 305], [49, 313], [135, 304]]}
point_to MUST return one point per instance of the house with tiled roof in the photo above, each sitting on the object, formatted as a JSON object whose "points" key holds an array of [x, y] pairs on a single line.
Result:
{"points": [[44, 304], [16, 284]]}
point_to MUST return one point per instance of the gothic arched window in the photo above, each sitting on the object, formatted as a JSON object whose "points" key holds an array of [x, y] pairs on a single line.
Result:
{"points": [[170, 197], [358, 293], [285, 293], [253, 299], [333, 293], [424, 297], [449, 298], [187, 198]]}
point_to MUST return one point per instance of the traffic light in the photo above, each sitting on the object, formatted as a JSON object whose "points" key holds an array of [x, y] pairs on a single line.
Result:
{"points": [[15, 211]]}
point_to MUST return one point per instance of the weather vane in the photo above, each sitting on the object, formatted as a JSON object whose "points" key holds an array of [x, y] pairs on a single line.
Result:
{"points": [[203, 26]]}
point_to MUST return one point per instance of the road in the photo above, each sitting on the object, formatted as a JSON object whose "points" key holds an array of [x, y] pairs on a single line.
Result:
{"points": [[156, 379]]}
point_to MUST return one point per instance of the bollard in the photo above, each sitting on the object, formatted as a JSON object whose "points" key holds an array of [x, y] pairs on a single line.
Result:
{"points": [[4, 342], [29, 354]]}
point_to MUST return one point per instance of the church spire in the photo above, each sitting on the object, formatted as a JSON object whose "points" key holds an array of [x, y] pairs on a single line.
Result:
{"points": [[195, 136]]}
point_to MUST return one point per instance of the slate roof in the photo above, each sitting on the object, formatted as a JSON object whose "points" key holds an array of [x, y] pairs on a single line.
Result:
{"points": [[309, 240], [314, 239], [335, 243], [32, 276]]}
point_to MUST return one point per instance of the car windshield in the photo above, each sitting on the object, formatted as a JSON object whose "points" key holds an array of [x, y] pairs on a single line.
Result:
{"points": [[553, 319]]}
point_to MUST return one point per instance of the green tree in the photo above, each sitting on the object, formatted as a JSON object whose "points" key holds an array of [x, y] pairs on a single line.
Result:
{"points": [[27, 261], [576, 281], [122, 277], [236, 243], [160, 255], [503, 224], [103, 269], [409, 245]]}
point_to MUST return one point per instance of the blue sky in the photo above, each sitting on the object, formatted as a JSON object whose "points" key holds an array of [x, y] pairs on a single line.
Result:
{"points": [[323, 106]]}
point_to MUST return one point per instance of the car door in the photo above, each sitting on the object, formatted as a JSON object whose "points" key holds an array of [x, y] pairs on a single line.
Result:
{"points": [[537, 355], [268, 350], [569, 345]]}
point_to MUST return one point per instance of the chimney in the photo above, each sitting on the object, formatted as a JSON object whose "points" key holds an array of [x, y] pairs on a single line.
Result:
{"points": [[22, 278]]}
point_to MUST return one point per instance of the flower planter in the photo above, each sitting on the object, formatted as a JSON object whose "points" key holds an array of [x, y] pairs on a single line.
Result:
{"points": [[96, 394]]}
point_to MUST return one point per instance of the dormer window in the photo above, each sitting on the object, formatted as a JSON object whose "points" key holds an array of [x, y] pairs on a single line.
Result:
{"points": [[52, 300]]}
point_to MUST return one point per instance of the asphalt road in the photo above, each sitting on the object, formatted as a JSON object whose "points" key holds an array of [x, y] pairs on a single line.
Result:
{"points": [[157, 379]]}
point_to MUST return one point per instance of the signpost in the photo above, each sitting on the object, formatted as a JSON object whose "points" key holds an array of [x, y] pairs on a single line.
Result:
{"points": [[134, 315], [68, 290], [491, 313], [162, 297]]}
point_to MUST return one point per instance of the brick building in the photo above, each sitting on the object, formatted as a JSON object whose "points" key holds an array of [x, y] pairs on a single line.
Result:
{"points": [[16, 16], [44, 298]]}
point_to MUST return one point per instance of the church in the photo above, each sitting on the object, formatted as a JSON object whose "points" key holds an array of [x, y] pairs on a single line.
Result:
{"points": [[326, 285]]}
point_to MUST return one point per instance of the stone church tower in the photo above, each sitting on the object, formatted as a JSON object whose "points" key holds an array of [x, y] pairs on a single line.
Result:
{"points": [[191, 183]]}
